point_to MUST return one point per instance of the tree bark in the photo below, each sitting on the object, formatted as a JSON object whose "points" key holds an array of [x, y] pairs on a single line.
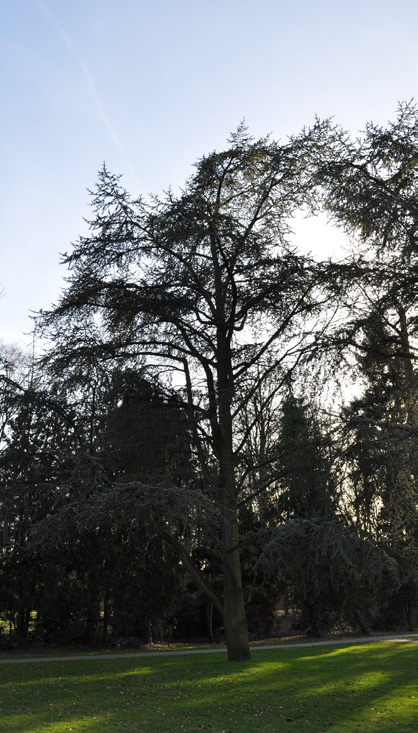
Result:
{"points": [[209, 620], [235, 622]]}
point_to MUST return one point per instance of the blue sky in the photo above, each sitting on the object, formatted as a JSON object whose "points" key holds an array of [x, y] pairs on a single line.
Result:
{"points": [[150, 86]]}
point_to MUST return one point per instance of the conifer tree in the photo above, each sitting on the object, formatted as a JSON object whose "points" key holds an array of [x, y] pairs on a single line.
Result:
{"points": [[204, 287]]}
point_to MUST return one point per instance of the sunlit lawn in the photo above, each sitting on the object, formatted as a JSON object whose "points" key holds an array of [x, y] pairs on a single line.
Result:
{"points": [[341, 689]]}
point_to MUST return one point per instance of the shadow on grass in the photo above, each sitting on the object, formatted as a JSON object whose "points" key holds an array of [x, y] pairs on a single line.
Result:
{"points": [[360, 688]]}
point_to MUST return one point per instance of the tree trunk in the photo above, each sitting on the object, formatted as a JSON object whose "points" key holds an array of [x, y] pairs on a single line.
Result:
{"points": [[209, 620], [22, 623], [313, 608], [361, 623], [235, 622], [408, 616], [105, 614]]}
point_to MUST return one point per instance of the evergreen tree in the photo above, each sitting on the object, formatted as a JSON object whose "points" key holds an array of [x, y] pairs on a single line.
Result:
{"points": [[308, 486], [369, 189], [182, 284], [382, 448]]}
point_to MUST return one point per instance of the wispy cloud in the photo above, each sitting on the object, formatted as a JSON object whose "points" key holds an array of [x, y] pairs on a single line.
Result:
{"points": [[90, 84]]}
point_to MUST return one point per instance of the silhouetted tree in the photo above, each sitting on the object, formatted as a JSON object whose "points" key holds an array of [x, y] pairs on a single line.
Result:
{"points": [[202, 286]]}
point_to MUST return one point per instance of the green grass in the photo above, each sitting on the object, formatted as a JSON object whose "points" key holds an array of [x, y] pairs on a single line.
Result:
{"points": [[368, 687]]}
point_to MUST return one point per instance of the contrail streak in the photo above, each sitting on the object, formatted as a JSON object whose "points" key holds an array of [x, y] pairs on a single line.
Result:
{"points": [[90, 83]]}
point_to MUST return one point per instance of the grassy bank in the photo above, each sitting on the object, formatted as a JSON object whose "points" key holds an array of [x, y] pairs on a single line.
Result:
{"points": [[360, 688]]}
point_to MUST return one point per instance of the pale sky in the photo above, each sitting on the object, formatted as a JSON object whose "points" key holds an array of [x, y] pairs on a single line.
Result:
{"points": [[151, 86]]}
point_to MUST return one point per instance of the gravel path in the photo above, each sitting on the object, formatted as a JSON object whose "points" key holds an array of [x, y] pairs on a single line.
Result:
{"points": [[129, 655]]}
